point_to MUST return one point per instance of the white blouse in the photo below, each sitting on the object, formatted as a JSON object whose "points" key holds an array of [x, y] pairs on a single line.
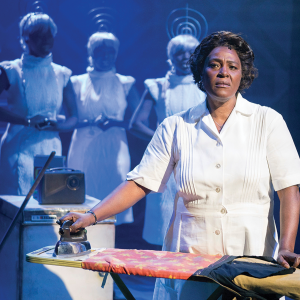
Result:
{"points": [[225, 181]]}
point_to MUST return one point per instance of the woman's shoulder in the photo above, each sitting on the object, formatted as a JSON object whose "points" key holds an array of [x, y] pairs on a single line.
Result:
{"points": [[13, 69], [11, 64], [266, 111], [126, 79], [246, 107], [79, 78], [155, 86], [184, 118], [273, 117], [127, 82], [62, 69], [154, 81], [260, 113]]}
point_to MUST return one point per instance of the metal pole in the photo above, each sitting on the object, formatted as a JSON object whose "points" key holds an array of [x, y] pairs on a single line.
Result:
{"points": [[35, 184], [121, 285]]}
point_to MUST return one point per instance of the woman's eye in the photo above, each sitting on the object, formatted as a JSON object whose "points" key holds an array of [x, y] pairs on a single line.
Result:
{"points": [[213, 65], [233, 67]]}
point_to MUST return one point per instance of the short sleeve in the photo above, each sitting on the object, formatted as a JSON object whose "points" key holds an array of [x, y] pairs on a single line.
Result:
{"points": [[158, 161], [127, 82], [282, 156], [11, 72], [76, 83], [155, 86], [67, 74], [152, 87]]}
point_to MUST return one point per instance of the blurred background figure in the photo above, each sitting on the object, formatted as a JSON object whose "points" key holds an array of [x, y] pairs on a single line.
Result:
{"points": [[36, 90], [169, 95], [99, 145]]}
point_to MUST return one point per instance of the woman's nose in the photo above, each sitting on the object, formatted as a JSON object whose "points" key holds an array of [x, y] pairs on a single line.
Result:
{"points": [[223, 71]]}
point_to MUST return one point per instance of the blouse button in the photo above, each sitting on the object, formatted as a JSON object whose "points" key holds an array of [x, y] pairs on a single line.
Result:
{"points": [[217, 232], [223, 211], [218, 166], [218, 190]]}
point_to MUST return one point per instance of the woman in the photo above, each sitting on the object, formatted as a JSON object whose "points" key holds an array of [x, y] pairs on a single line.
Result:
{"points": [[169, 95], [99, 146], [173, 93], [36, 90], [227, 154]]}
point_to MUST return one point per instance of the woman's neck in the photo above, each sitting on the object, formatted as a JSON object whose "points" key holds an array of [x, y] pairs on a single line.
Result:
{"points": [[219, 110], [181, 73]]}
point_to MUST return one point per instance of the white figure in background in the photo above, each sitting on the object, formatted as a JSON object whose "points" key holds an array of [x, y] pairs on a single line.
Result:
{"points": [[99, 144], [36, 90], [169, 95]]}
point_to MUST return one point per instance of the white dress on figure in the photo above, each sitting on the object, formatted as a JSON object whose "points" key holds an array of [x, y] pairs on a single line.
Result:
{"points": [[36, 88], [224, 181], [172, 94], [102, 155]]}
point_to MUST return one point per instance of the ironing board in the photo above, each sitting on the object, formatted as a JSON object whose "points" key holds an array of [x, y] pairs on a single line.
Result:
{"points": [[161, 264], [164, 264]]}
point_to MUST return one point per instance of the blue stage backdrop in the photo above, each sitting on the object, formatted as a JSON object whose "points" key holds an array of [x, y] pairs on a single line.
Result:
{"points": [[272, 27]]}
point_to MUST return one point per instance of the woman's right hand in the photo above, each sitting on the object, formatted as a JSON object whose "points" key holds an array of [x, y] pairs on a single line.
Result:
{"points": [[42, 123], [80, 220], [38, 119], [100, 120]]}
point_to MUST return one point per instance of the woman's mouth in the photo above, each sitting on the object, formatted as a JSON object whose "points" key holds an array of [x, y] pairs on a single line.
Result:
{"points": [[222, 84]]}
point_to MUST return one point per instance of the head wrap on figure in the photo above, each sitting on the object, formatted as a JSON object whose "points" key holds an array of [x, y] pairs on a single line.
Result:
{"points": [[101, 38], [33, 22]]}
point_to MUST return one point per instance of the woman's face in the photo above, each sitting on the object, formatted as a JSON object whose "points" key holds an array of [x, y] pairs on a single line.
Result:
{"points": [[104, 58], [222, 74], [180, 61], [40, 44]]}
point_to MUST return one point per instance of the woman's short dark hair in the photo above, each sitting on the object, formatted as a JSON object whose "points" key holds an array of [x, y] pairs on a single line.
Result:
{"points": [[232, 41]]}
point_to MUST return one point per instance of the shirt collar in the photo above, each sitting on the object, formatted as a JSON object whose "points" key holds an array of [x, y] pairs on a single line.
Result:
{"points": [[242, 106], [198, 111], [177, 80], [92, 72], [31, 61]]}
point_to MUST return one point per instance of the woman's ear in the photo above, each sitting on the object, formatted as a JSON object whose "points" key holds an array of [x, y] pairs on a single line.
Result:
{"points": [[169, 63], [90, 60]]}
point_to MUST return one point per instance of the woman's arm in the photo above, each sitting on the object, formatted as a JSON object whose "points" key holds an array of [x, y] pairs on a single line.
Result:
{"points": [[140, 123], [10, 117], [123, 197], [289, 220], [70, 108], [6, 115], [132, 100], [4, 82], [103, 122]]}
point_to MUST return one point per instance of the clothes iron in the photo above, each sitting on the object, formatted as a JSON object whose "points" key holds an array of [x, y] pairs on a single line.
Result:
{"points": [[71, 244]]}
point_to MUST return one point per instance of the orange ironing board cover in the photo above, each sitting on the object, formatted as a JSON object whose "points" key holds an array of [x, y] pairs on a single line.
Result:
{"points": [[151, 263]]}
